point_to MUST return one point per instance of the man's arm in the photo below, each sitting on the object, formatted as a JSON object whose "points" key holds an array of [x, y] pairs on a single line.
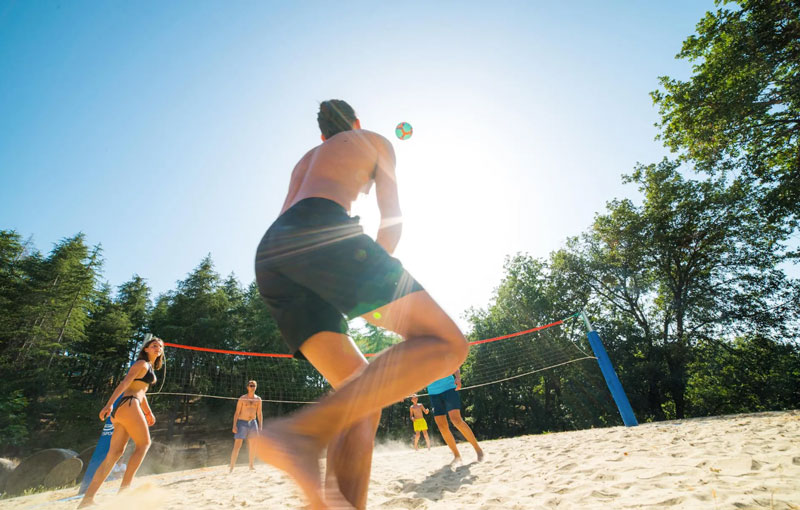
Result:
{"points": [[260, 415], [388, 201], [424, 409], [236, 414]]}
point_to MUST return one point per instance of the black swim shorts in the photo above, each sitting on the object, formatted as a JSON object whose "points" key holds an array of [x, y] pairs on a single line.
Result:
{"points": [[443, 403], [315, 266]]}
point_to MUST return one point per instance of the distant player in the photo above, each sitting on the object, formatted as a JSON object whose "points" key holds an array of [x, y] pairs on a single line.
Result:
{"points": [[420, 425], [247, 421], [445, 402]]}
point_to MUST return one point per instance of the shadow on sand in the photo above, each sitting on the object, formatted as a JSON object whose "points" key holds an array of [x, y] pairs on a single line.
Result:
{"points": [[446, 479]]}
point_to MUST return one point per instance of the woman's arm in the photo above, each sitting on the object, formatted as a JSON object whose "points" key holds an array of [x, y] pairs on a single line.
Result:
{"points": [[135, 371], [148, 414]]}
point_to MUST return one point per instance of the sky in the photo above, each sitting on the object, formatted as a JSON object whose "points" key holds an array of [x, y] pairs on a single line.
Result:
{"points": [[166, 131]]}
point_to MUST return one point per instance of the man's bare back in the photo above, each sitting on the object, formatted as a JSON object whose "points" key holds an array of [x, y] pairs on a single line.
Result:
{"points": [[339, 168], [344, 165]]}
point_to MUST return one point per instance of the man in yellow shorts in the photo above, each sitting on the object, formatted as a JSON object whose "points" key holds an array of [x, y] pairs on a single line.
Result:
{"points": [[420, 425]]}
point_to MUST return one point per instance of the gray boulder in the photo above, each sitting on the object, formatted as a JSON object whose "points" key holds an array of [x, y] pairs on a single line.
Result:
{"points": [[32, 471]]}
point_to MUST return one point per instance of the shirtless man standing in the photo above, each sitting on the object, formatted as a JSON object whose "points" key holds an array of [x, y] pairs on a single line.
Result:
{"points": [[420, 425], [315, 267], [247, 421]]}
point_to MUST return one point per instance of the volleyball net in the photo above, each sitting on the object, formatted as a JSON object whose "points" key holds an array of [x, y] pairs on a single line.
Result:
{"points": [[202, 372]]}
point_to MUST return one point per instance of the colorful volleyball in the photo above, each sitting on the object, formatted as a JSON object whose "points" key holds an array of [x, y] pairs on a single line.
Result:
{"points": [[403, 131]]}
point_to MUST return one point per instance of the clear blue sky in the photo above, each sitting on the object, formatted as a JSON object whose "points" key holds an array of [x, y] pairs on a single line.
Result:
{"points": [[167, 130]]}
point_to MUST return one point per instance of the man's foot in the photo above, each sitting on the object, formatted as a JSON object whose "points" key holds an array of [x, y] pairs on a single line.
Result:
{"points": [[295, 454], [456, 461], [252, 468], [333, 496], [480, 454], [230, 469], [87, 502]]}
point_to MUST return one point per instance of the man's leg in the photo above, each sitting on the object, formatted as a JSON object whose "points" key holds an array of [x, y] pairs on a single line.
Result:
{"points": [[463, 427], [427, 441], [349, 456], [251, 452], [237, 444], [434, 348], [444, 430], [416, 439]]}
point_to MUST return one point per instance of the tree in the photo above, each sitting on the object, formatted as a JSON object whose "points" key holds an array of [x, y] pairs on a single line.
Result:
{"points": [[752, 373], [533, 293], [693, 261], [741, 107]]}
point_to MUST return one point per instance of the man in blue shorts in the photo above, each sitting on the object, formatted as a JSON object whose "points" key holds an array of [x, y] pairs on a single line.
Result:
{"points": [[247, 421], [445, 402]]}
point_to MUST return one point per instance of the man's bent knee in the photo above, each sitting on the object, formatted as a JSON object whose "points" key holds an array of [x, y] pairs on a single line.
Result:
{"points": [[457, 350]]}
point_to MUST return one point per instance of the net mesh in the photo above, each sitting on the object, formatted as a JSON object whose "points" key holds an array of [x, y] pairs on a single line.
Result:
{"points": [[215, 373]]}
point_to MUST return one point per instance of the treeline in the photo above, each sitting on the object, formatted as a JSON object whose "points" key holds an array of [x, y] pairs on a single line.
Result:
{"points": [[685, 285]]}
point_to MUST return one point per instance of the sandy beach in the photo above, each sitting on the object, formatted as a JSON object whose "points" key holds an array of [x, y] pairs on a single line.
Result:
{"points": [[730, 462]]}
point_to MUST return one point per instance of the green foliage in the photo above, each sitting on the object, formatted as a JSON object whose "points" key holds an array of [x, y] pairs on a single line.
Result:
{"points": [[696, 257], [13, 428], [741, 107], [752, 373]]}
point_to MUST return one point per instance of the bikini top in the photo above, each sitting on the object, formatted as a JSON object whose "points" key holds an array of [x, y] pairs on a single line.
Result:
{"points": [[149, 377]]}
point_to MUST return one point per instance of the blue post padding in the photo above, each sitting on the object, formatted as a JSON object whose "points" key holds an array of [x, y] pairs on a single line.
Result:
{"points": [[100, 451], [612, 380]]}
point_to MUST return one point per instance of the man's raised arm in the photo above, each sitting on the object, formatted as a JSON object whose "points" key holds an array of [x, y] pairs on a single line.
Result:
{"points": [[388, 201]]}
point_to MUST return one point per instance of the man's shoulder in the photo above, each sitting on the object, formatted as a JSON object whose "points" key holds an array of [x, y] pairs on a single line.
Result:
{"points": [[374, 137]]}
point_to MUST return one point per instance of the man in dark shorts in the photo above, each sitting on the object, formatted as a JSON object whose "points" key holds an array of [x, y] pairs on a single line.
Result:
{"points": [[316, 268], [445, 401]]}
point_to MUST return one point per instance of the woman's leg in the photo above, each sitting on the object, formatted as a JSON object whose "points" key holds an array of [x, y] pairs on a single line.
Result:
{"points": [[434, 348], [115, 450], [136, 425]]}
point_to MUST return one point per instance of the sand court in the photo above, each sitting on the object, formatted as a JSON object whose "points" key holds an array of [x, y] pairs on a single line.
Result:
{"points": [[730, 462]]}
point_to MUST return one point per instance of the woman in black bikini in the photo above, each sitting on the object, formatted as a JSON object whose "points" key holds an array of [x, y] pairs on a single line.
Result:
{"points": [[131, 417]]}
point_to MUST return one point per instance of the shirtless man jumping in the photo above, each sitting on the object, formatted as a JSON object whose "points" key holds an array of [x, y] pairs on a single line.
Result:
{"points": [[247, 421], [316, 268]]}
